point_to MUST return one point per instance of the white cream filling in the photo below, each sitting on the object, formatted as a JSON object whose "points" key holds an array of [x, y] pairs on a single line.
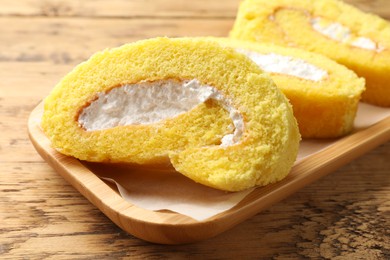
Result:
{"points": [[151, 102], [276, 63], [341, 33]]}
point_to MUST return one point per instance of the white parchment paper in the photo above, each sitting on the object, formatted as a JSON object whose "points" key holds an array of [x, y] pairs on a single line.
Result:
{"points": [[153, 189]]}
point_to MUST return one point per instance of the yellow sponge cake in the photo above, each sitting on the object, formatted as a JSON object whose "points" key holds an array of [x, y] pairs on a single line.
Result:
{"points": [[209, 110], [324, 94], [351, 37]]}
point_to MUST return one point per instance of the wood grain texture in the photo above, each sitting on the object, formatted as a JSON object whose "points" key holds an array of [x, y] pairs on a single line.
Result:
{"points": [[72, 40], [345, 215], [148, 8], [174, 228], [120, 8]]}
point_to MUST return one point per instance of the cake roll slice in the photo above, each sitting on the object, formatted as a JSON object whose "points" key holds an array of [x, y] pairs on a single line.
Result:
{"points": [[208, 110], [353, 38], [324, 94]]}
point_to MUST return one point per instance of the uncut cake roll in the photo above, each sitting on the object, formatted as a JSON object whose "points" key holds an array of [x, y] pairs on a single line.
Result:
{"points": [[208, 110], [353, 38], [324, 94]]}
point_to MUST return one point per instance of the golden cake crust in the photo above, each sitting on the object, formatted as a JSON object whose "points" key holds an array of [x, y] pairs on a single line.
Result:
{"points": [[323, 109], [264, 154], [284, 22]]}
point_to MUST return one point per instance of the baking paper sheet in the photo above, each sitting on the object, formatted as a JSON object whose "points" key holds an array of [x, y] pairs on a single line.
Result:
{"points": [[154, 189]]}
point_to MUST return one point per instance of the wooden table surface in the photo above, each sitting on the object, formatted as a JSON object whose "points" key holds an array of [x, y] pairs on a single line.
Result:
{"points": [[344, 215]]}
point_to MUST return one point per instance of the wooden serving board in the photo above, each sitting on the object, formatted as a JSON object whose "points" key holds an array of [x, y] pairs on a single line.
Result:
{"points": [[168, 227]]}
